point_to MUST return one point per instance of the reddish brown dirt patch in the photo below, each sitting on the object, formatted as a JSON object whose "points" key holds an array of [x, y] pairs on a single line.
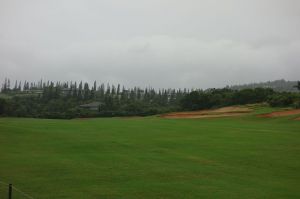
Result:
{"points": [[221, 112], [282, 113]]}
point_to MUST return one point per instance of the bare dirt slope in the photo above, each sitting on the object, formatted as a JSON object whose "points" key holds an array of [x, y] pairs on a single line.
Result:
{"points": [[282, 113], [221, 112]]}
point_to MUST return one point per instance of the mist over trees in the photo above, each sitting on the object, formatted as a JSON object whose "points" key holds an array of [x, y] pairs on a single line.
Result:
{"points": [[277, 85], [79, 99]]}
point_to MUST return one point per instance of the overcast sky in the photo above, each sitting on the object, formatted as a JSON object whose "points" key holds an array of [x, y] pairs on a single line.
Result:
{"points": [[162, 43]]}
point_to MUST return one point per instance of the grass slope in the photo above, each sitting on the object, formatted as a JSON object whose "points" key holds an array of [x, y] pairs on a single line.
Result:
{"points": [[245, 157]]}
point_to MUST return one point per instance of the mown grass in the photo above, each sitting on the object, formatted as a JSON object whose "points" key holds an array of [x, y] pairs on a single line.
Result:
{"points": [[241, 157]]}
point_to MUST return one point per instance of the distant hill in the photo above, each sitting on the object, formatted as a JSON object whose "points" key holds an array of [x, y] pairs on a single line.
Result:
{"points": [[277, 85]]}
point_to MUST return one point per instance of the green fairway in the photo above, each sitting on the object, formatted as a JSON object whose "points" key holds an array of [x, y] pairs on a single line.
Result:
{"points": [[244, 157]]}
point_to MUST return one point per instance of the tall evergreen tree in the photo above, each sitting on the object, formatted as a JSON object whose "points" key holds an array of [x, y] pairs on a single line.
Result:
{"points": [[86, 91], [298, 85], [79, 94]]}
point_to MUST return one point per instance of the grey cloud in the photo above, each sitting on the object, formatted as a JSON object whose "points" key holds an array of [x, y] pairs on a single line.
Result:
{"points": [[158, 43]]}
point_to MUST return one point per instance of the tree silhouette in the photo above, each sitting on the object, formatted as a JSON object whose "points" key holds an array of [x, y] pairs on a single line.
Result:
{"points": [[298, 85]]}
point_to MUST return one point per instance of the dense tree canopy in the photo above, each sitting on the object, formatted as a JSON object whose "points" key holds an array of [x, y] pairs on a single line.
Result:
{"points": [[64, 99], [298, 85]]}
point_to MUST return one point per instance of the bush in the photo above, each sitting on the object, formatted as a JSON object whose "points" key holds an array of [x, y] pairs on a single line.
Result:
{"points": [[2, 106], [280, 100], [296, 104]]}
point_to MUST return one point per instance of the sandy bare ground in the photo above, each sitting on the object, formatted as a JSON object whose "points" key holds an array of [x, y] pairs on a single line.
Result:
{"points": [[221, 112], [282, 113]]}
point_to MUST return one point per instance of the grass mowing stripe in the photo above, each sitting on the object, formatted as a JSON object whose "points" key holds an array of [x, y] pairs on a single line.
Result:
{"points": [[241, 157]]}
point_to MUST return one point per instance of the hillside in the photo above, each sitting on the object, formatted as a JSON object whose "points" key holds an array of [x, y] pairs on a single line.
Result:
{"points": [[277, 85]]}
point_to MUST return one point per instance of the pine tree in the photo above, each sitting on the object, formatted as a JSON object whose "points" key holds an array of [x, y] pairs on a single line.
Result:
{"points": [[102, 91], [107, 90], [113, 90], [24, 86], [79, 94], [93, 90], [86, 91], [4, 88], [118, 90], [16, 86], [298, 85], [19, 87], [74, 93], [8, 84], [124, 97]]}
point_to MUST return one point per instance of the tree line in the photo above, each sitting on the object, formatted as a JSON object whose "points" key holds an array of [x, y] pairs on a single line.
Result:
{"points": [[277, 85], [63, 99]]}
